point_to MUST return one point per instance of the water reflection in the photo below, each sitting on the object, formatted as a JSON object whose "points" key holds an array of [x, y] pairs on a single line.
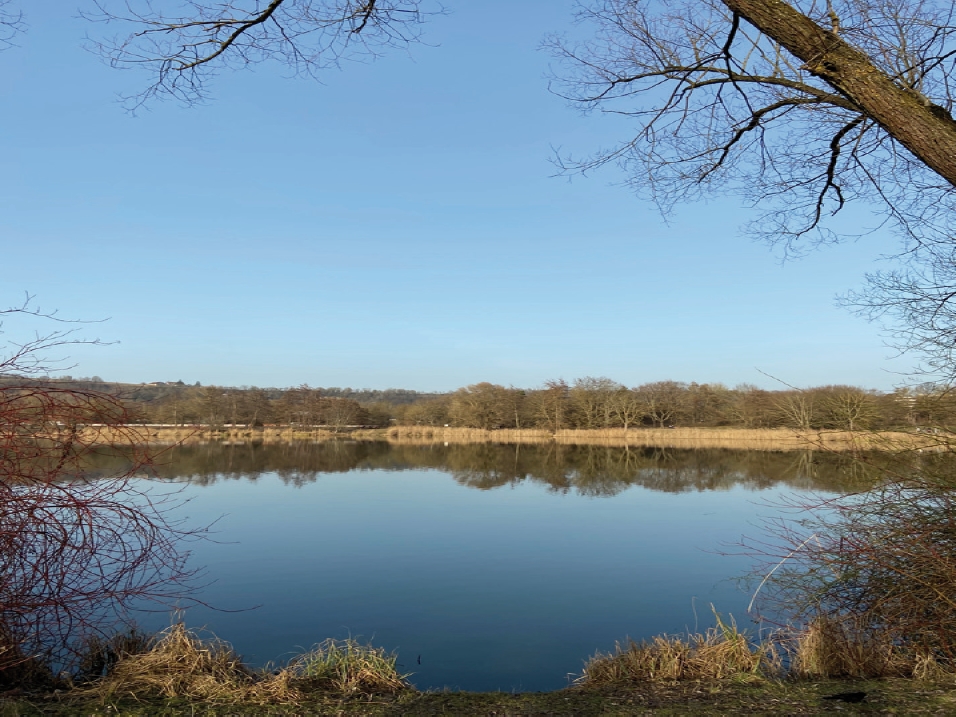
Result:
{"points": [[485, 566], [587, 470]]}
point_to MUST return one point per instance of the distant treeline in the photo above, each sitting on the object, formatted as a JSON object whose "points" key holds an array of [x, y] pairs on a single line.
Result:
{"points": [[588, 402]]}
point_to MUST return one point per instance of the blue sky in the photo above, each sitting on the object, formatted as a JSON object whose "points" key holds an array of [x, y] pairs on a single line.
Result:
{"points": [[397, 225]]}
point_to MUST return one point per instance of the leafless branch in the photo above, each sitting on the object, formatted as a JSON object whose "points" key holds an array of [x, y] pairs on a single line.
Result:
{"points": [[11, 24], [182, 53], [30, 353], [83, 536]]}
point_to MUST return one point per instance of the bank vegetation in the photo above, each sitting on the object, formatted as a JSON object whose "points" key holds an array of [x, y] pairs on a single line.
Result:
{"points": [[722, 670], [589, 409]]}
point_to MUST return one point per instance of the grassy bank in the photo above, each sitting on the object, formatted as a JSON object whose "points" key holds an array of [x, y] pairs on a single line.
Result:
{"points": [[758, 439], [180, 672], [708, 698]]}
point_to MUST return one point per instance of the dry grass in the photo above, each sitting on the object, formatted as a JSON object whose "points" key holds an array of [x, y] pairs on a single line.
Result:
{"points": [[824, 649], [348, 667], [182, 663], [756, 439], [828, 648], [719, 653], [432, 434]]}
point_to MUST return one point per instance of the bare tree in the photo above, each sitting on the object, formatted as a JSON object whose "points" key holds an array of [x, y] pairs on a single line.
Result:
{"points": [[661, 402], [591, 399], [797, 409], [847, 407], [915, 304], [483, 405], [550, 405], [802, 108], [626, 409], [339, 413], [182, 52], [82, 534], [799, 111]]}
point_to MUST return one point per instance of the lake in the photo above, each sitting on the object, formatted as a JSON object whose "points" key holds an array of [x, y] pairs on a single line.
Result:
{"points": [[485, 567]]}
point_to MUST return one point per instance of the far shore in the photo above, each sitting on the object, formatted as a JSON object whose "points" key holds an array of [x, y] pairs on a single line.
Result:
{"points": [[752, 439]]}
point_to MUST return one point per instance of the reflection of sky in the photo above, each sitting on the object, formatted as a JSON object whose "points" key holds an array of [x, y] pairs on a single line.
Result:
{"points": [[505, 589]]}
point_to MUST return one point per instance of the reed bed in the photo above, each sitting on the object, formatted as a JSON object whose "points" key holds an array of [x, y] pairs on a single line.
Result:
{"points": [[751, 439], [167, 435]]}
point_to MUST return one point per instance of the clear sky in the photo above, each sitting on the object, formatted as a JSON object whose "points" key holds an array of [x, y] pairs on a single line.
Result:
{"points": [[396, 226]]}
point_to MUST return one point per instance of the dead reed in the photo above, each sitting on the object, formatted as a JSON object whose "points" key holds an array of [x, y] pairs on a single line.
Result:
{"points": [[181, 663], [832, 648], [719, 653], [753, 439], [166, 435]]}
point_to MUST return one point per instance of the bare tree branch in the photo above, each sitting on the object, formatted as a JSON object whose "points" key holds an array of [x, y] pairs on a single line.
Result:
{"points": [[844, 102], [30, 353], [11, 24], [182, 53]]}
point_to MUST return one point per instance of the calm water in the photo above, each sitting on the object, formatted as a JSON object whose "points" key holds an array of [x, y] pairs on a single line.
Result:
{"points": [[484, 567]]}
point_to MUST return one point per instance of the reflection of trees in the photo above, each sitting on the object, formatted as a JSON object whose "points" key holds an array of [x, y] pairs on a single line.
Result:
{"points": [[589, 470]]}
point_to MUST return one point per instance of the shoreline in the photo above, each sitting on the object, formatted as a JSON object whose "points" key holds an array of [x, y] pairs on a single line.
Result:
{"points": [[751, 439], [710, 698]]}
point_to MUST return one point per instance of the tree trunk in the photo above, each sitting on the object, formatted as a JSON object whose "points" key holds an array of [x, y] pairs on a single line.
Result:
{"points": [[925, 129]]}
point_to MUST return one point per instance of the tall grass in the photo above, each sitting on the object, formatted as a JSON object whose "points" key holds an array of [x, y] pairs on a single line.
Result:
{"points": [[832, 648], [828, 648], [823, 649], [22, 671], [99, 655], [720, 652], [348, 667]]}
